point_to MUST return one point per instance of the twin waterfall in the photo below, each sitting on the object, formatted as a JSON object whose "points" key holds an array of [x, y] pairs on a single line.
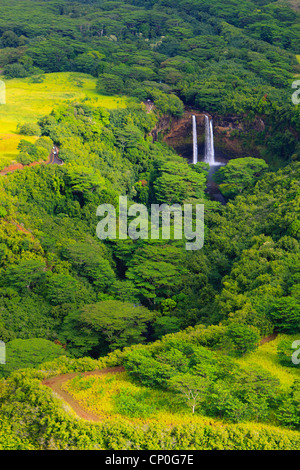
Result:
{"points": [[209, 155]]}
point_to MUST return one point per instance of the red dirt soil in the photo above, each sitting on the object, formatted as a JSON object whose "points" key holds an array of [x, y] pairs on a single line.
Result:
{"points": [[267, 339], [17, 166], [56, 382]]}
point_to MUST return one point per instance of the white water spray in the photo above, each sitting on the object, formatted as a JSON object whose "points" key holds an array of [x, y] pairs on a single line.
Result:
{"points": [[195, 141], [209, 156]]}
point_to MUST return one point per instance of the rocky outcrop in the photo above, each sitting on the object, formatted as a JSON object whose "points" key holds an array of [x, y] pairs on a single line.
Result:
{"points": [[178, 132], [162, 127], [181, 129], [228, 133]]}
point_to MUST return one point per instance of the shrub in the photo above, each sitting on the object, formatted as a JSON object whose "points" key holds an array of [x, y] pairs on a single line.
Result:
{"points": [[134, 405], [285, 351], [15, 71], [240, 339], [29, 353], [29, 129]]}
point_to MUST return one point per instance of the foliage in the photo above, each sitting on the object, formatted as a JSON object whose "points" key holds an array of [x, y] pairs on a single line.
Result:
{"points": [[185, 325], [29, 129], [112, 392], [286, 314], [240, 339], [29, 353], [240, 174], [285, 352], [116, 323]]}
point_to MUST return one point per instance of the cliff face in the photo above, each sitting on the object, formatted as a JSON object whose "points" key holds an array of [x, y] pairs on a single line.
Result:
{"points": [[228, 133]]}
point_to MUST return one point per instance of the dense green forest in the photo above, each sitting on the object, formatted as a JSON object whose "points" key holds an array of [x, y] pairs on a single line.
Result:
{"points": [[180, 322], [237, 57]]}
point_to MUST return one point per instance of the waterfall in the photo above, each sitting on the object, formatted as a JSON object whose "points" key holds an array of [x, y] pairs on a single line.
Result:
{"points": [[195, 141], [209, 156]]}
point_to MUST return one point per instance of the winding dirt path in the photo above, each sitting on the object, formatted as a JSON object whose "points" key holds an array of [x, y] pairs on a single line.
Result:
{"points": [[52, 160], [56, 382]]}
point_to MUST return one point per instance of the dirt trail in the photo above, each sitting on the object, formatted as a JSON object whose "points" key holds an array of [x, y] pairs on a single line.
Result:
{"points": [[269, 338], [17, 166], [52, 160], [56, 382]]}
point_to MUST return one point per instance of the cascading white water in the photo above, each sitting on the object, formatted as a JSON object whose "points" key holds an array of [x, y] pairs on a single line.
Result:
{"points": [[195, 141], [209, 156]]}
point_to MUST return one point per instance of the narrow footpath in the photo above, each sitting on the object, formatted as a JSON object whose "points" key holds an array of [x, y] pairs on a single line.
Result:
{"points": [[52, 160], [56, 382]]}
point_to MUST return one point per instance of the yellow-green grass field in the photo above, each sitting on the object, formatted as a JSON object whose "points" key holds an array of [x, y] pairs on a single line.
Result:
{"points": [[115, 396], [27, 102], [266, 357]]}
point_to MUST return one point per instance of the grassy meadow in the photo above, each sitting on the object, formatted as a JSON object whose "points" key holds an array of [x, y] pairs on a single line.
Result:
{"points": [[266, 357], [27, 101], [116, 396]]}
